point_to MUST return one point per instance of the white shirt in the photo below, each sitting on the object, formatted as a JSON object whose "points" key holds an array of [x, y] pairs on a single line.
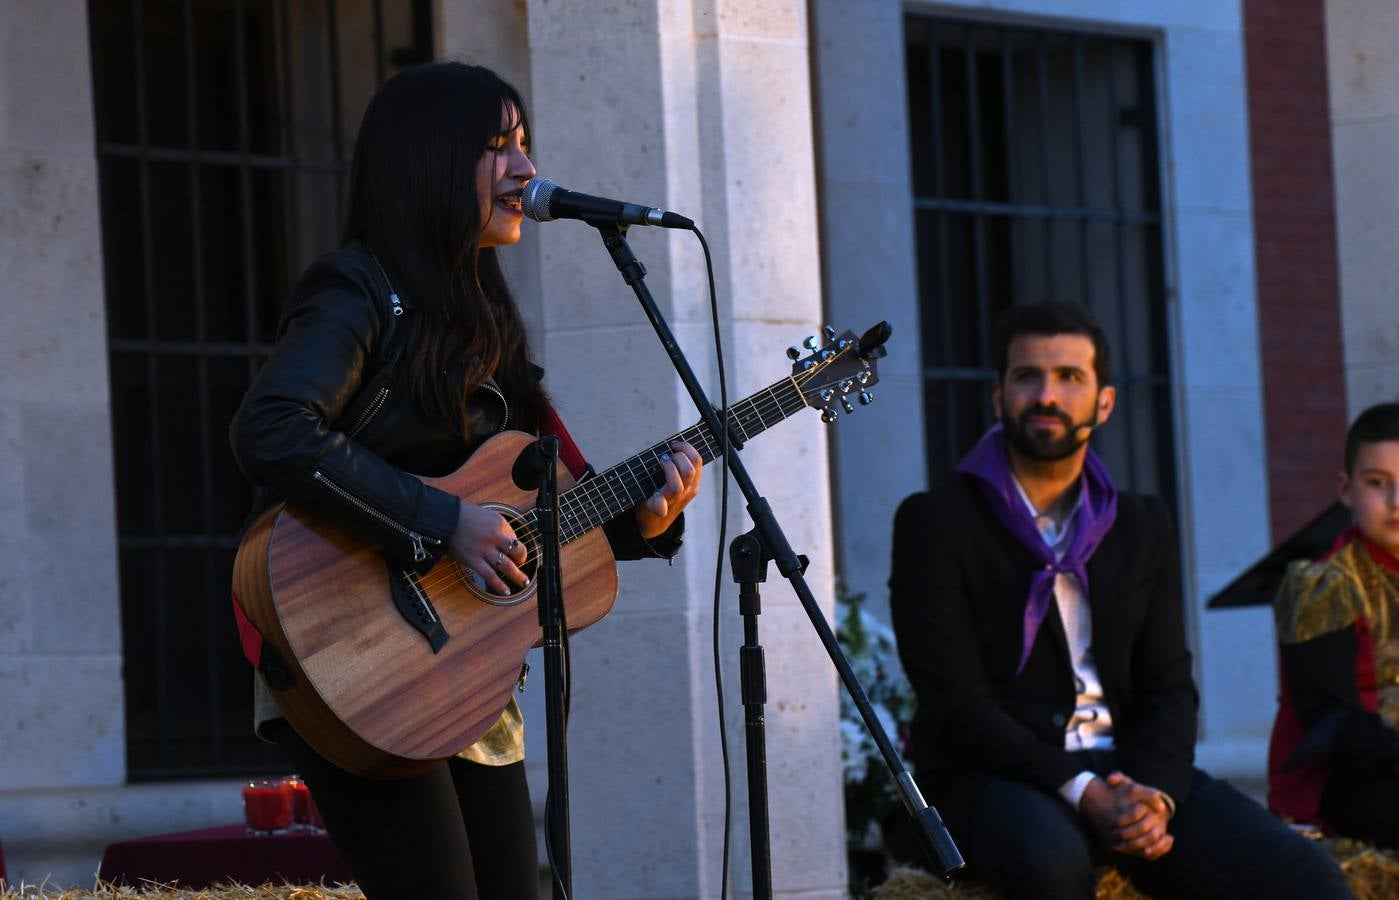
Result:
{"points": [[1090, 727]]}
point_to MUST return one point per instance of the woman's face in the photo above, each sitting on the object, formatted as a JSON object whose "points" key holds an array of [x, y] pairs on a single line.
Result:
{"points": [[501, 174]]}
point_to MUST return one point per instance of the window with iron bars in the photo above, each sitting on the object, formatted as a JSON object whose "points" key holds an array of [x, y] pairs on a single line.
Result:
{"points": [[224, 132], [1037, 177]]}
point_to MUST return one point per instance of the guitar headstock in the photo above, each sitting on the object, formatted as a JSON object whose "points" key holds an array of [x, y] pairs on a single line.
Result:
{"points": [[841, 366]]}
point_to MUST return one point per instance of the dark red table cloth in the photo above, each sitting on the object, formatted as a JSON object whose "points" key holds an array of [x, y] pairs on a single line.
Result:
{"points": [[198, 859]]}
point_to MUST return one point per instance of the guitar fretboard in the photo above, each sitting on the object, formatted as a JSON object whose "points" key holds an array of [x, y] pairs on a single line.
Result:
{"points": [[612, 492]]}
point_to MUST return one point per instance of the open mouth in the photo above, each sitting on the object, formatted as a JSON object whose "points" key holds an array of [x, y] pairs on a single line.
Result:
{"points": [[511, 200]]}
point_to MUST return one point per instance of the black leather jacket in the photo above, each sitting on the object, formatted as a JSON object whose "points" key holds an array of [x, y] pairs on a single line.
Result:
{"points": [[328, 424]]}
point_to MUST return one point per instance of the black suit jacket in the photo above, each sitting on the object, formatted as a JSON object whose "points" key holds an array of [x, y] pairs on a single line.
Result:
{"points": [[958, 592]]}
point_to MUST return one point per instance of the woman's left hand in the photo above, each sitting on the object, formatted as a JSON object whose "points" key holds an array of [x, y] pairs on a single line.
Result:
{"points": [[682, 467]]}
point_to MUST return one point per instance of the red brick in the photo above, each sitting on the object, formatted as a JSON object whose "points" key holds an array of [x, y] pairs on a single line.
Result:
{"points": [[1295, 238]]}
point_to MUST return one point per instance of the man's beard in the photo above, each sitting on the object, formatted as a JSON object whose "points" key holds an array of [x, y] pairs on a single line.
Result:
{"points": [[1043, 447]]}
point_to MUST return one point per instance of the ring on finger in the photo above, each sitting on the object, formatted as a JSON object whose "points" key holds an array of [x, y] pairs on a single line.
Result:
{"points": [[513, 544], [499, 558]]}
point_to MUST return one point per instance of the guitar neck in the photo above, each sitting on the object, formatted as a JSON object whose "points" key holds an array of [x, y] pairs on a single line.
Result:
{"points": [[610, 493]]}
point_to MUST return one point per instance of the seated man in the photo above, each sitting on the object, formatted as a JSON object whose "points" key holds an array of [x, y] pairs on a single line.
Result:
{"points": [[1334, 758], [1039, 618]]}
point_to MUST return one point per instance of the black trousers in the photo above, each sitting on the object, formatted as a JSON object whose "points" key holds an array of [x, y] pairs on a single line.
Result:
{"points": [[1363, 807], [1028, 843], [459, 831]]}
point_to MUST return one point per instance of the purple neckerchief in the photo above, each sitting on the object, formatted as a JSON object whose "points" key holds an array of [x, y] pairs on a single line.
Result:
{"points": [[990, 466]]}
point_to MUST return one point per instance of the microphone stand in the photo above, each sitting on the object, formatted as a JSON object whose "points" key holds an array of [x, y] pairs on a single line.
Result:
{"points": [[748, 560], [555, 628], [937, 844]]}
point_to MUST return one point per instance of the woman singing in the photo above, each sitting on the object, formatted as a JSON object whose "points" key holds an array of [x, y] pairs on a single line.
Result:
{"points": [[401, 353]]}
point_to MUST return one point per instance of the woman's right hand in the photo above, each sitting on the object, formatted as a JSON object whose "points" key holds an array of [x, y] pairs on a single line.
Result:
{"points": [[485, 543]]}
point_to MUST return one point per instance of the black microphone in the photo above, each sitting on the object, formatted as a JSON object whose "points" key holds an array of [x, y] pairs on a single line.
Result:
{"points": [[545, 201]]}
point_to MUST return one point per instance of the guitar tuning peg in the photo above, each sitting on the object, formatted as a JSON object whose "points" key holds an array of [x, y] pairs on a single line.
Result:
{"points": [[826, 394], [811, 343], [866, 398], [828, 415], [828, 331], [845, 386], [793, 353], [863, 377], [845, 402]]}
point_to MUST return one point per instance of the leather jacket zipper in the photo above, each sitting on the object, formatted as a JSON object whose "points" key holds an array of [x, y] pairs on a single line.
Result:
{"points": [[369, 413], [490, 385], [418, 540]]}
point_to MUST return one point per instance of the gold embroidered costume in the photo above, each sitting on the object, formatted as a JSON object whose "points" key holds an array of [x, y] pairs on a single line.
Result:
{"points": [[1321, 598]]}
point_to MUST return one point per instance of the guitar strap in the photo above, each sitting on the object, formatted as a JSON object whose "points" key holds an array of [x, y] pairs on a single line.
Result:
{"points": [[568, 451], [248, 636]]}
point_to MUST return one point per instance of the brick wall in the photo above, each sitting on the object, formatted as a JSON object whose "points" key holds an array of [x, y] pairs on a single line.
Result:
{"points": [[1295, 238]]}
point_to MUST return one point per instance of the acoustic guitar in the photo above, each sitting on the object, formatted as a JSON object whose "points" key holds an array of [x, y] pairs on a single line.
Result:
{"points": [[384, 671]]}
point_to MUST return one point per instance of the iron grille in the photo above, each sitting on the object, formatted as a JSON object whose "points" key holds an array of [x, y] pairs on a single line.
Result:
{"points": [[222, 147], [1036, 176]]}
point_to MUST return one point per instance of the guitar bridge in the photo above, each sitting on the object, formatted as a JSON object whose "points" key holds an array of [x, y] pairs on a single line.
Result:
{"points": [[417, 610]]}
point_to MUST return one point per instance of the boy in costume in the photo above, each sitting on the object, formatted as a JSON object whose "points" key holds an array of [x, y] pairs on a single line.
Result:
{"points": [[1334, 755]]}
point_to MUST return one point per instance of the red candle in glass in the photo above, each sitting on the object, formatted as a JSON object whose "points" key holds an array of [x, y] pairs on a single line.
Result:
{"points": [[267, 806], [300, 800]]}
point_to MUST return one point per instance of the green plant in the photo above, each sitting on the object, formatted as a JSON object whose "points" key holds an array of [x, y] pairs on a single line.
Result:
{"points": [[869, 645]]}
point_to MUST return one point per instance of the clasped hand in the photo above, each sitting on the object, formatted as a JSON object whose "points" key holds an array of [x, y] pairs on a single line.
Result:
{"points": [[1130, 817], [484, 541]]}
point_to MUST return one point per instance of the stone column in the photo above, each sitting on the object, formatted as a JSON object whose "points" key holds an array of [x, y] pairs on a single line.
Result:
{"points": [[701, 106], [60, 638], [871, 272], [1364, 125], [494, 34]]}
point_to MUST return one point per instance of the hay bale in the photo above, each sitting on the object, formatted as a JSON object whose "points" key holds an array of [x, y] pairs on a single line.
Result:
{"points": [[1372, 872], [915, 884], [105, 891]]}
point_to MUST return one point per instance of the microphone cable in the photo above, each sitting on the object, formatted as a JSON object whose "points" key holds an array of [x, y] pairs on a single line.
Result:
{"points": [[717, 604], [567, 654], [720, 556]]}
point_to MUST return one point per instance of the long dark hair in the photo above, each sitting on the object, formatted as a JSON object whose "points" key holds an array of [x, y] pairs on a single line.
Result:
{"points": [[413, 201]]}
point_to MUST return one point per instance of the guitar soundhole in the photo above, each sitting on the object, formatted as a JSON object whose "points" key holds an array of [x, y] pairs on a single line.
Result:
{"points": [[477, 585]]}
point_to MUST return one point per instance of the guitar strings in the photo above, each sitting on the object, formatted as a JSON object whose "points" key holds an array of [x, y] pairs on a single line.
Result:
{"points": [[585, 496], [588, 496]]}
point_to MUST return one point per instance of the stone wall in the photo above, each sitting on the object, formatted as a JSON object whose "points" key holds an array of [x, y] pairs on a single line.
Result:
{"points": [[60, 638]]}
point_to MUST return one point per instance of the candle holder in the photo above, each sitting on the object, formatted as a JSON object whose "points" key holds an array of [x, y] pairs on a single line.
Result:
{"points": [[267, 806], [300, 801]]}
